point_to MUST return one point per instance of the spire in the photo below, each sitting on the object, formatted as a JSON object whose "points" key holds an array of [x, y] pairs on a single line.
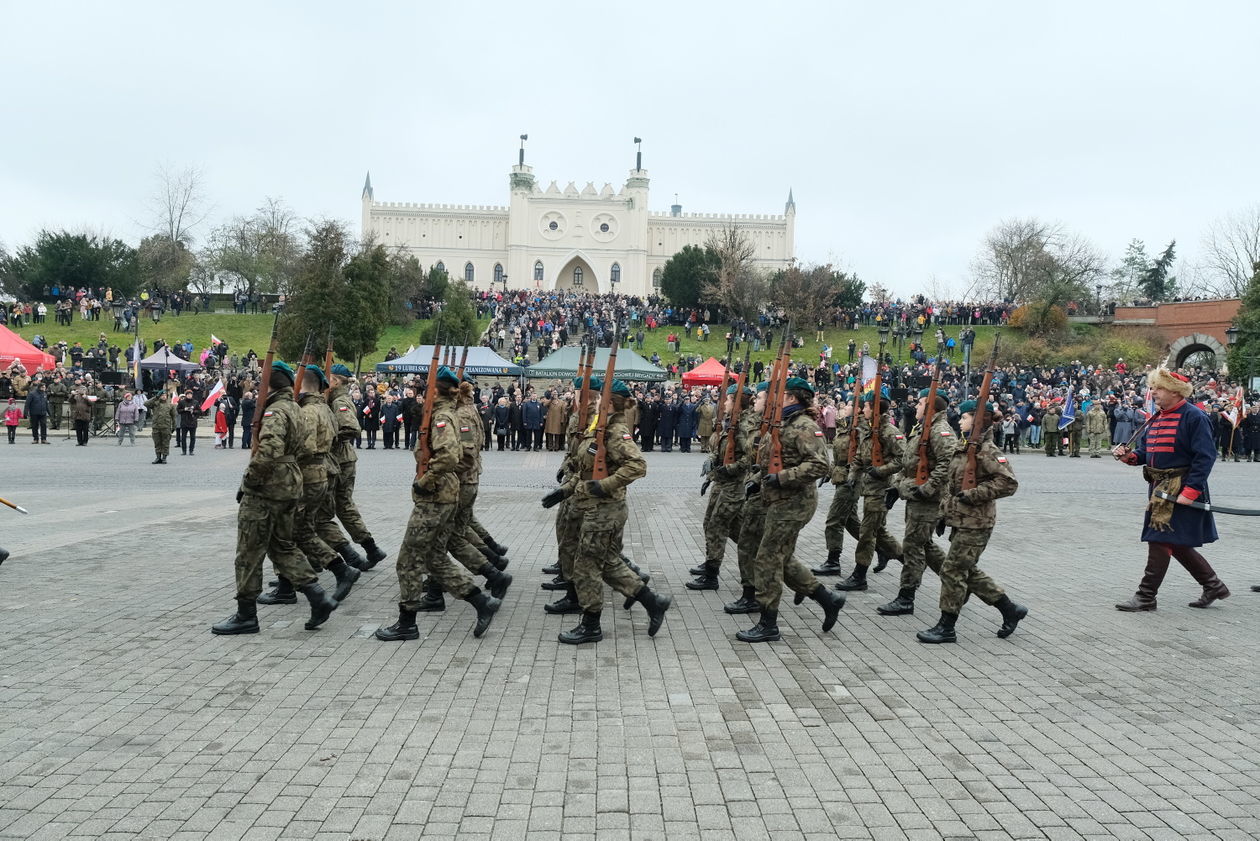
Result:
{"points": [[367, 187], [790, 207]]}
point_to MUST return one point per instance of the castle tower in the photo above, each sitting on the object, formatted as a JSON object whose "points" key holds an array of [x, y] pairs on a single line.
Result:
{"points": [[366, 220], [789, 210]]}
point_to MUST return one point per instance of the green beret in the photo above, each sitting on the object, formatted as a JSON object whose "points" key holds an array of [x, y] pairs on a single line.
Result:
{"points": [[621, 389], [469, 378], [798, 384], [341, 370], [577, 382], [925, 392], [319, 374], [284, 369], [868, 397], [731, 390], [597, 383], [763, 386], [968, 407], [446, 375]]}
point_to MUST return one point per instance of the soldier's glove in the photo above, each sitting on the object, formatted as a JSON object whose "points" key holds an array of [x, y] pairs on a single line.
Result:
{"points": [[873, 473], [966, 497], [240, 494], [751, 489], [706, 466], [421, 490], [890, 498], [822, 481], [595, 489], [917, 492], [704, 486], [556, 497], [771, 480], [560, 475], [940, 527]]}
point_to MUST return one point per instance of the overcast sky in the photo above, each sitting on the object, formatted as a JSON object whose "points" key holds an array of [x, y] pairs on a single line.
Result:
{"points": [[907, 130]]}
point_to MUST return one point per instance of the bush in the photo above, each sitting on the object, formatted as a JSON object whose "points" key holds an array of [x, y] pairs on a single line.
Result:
{"points": [[1037, 319]]}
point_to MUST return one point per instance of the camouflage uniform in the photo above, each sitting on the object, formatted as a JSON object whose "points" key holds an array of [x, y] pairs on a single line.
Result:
{"points": [[842, 514], [470, 432], [753, 512], [1097, 427], [1051, 436], [923, 502], [568, 518], [598, 557], [726, 501], [57, 394], [872, 489], [346, 420], [789, 508], [318, 466], [271, 489], [163, 415]]}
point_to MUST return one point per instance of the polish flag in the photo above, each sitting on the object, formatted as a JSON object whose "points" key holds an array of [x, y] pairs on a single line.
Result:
{"points": [[215, 340], [210, 398]]}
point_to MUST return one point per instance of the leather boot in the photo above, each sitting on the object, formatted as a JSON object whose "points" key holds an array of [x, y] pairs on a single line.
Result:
{"points": [[283, 594], [1137, 604], [643, 576], [557, 583], [346, 575], [1012, 613], [497, 581], [1158, 557], [496, 547], [698, 570], [432, 600], [881, 560], [1213, 591], [855, 581], [587, 630], [831, 566], [486, 607], [353, 558], [766, 629], [491, 557], [244, 621], [404, 629], [943, 631], [707, 580], [903, 605], [830, 603], [566, 604], [554, 569], [157, 460], [746, 603], [321, 605], [655, 605], [375, 554]]}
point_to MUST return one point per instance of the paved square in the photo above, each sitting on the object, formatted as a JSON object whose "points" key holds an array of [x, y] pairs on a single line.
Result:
{"points": [[122, 717]]}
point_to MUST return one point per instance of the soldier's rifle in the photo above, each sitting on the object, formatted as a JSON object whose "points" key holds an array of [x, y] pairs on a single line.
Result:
{"points": [[855, 411], [774, 462], [463, 359], [981, 417], [732, 432], [922, 470], [584, 393], [328, 356], [13, 505], [424, 442], [767, 413], [264, 384], [308, 358], [707, 466], [877, 392], [600, 470]]}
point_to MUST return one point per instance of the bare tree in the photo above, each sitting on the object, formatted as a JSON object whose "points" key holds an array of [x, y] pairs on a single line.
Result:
{"points": [[260, 250], [1231, 247], [737, 285], [1022, 259], [806, 293], [179, 204]]}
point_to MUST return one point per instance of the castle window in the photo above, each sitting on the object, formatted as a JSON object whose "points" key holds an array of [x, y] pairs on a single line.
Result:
{"points": [[615, 274], [538, 270], [441, 267], [468, 272], [577, 275], [498, 273], [656, 278]]}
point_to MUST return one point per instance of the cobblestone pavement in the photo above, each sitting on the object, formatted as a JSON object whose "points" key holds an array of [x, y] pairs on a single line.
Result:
{"points": [[122, 717]]}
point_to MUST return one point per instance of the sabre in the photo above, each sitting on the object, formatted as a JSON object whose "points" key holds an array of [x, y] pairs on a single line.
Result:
{"points": [[1207, 506], [14, 506]]}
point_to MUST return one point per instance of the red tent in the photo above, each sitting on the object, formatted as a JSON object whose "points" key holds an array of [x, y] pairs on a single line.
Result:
{"points": [[708, 372], [13, 346]]}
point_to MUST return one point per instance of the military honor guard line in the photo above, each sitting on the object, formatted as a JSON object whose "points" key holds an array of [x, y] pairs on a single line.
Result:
{"points": [[767, 458]]}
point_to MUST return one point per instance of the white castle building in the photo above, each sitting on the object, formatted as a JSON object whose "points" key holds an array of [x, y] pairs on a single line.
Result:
{"points": [[595, 239]]}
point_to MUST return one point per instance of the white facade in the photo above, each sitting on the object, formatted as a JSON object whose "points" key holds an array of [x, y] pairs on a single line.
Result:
{"points": [[599, 240]]}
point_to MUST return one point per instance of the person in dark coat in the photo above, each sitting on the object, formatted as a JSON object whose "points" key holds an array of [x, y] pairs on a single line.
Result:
{"points": [[248, 404], [187, 411], [516, 425], [649, 420], [1176, 452], [1250, 430], [390, 424], [685, 428], [665, 428], [369, 416], [502, 421], [532, 417], [487, 424]]}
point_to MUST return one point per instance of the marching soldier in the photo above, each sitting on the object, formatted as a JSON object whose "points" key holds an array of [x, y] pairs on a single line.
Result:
{"points": [[842, 514], [753, 512], [923, 502], [345, 416], [872, 483], [971, 514], [790, 501], [568, 517], [163, 415], [726, 500], [435, 497], [268, 499]]}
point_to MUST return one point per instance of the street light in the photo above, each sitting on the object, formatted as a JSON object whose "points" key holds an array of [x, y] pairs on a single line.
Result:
{"points": [[505, 284], [1098, 298]]}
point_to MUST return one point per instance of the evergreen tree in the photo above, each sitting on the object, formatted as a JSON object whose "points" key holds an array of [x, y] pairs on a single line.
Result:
{"points": [[457, 322], [1244, 355], [685, 274], [1155, 283]]}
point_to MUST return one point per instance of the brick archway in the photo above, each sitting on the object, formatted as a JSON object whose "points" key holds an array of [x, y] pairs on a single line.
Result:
{"points": [[1182, 348]]}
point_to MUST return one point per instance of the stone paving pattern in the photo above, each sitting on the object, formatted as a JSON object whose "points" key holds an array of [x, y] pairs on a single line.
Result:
{"points": [[122, 717]]}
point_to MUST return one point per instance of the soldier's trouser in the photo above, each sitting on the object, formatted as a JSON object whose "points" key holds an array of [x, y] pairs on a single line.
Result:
{"points": [[461, 527], [161, 443], [482, 535], [55, 414], [752, 526], [918, 549], [568, 531], [424, 550], [842, 517], [264, 527], [959, 574], [318, 553], [1097, 443], [722, 520], [598, 558], [326, 519], [344, 507], [775, 565], [1052, 442], [1074, 443], [874, 533]]}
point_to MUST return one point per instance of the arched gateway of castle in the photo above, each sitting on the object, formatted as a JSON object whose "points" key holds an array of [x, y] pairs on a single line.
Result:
{"points": [[599, 240]]}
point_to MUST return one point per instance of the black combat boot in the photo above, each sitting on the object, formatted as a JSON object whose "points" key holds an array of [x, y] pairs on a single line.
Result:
{"points": [[766, 629], [322, 605], [4, 554], [830, 603], [557, 583], [566, 604], [831, 566], [283, 594], [943, 631], [643, 576], [655, 605], [1011, 614], [855, 581], [746, 603], [588, 630], [486, 607], [697, 570], [404, 629], [499, 561], [707, 580], [903, 605], [881, 560], [346, 575], [497, 581], [496, 547], [432, 600], [553, 569], [353, 558], [375, 554], [157, 460], [244, 621]]}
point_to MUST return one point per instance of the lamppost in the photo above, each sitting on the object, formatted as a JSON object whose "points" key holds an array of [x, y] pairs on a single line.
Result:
{"points": [[883, 332], [1098, 298], [505, 285]]}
